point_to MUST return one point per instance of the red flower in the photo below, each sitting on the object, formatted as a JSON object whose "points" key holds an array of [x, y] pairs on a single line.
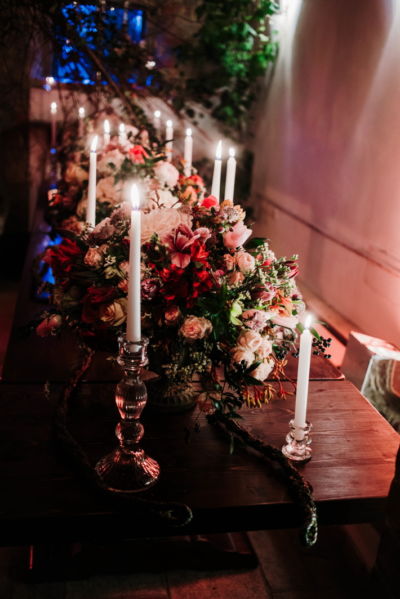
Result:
{"points": [[210, 202], [138, 154], [63, 257], [95, 297], [180, 242]]}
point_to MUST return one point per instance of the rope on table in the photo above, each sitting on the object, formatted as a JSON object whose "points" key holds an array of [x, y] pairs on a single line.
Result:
{"points": [[170, 513], [300, 489]]}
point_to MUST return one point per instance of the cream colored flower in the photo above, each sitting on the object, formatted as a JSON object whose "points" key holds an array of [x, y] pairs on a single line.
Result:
{"points": [[114, 314], [110, 162], [263, 370], [250, 340], [240, 354], [108, 191], [195, 327], [166, 173], [245, 262], [163, 221]]}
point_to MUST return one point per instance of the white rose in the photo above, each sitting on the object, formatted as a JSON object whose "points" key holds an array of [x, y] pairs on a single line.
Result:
{"points": [[114, 157], [163, 198], [108, 191], [262, 371], [245, 262], [166, 173], [239, 354], [265, 348], [250, 340], [162, 221]]}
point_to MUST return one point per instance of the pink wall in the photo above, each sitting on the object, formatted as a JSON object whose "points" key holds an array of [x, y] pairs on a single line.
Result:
{"points": [[327, 168]]}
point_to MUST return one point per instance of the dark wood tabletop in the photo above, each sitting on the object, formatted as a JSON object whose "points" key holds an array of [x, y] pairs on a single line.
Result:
{"points": [[44, 499], [36, 360]]}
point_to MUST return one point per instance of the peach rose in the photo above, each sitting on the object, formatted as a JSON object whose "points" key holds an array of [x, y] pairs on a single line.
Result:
{"points": [[162, 221], [229, 261], [236, 236], [239, 354], [195, 327], [114, 314], [172, 315], [245, 262], [263, 370], [93, 257], [235, 278], [250, 340], [49, 325], [108, 191]]}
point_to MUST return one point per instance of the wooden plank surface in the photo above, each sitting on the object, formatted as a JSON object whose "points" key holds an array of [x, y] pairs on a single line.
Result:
{"points": [[36, 360], [42, 497]]}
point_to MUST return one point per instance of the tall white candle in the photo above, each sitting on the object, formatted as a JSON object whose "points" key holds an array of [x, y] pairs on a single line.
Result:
{"points": [[122, 134], [230, 175], [169, 134], [133, 325], [157, 120], [91, 202], [188, 153], [216, 182], [303, 377], [81, 114], [53, 113], [107, 130]]}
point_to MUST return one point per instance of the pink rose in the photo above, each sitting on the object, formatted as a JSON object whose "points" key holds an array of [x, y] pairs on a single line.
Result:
{"points": [[195, 327], [239, 354], [73, 224], [265, 348], [265, 294], [204, 234], [236, 236], [245, 262], [209, 202], [103, 231], [235, 278], [166, 173], [256, 319], [49, 325], [172, 315], [93, 257], [263, 370], [250, 340], [288, 322]]}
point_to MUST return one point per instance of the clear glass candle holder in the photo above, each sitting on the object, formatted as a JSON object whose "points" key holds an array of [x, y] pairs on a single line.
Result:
{"points": [[298, 441], [128, 468]]}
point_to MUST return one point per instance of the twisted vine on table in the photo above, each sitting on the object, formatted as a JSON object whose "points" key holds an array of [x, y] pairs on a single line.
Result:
{"points": [[170, 513]]}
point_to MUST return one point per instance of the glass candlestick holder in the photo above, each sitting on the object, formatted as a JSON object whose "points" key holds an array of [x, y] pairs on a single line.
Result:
{"points": [[298, 441], [128, 469]]}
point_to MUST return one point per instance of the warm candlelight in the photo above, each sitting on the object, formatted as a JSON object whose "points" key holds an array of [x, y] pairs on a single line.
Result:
{"points": [[133, 325], [157, 120], [216, 182], [107, 131], [303, 376], [81, 115], [169, 134], [230, 175], [188, 152], [122, 134], [91, 202], [53, 113]]}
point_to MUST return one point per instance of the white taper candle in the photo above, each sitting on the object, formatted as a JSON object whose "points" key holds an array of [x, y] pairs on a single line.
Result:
{"points": [[157, 120], [230, 175], [81, 114], [303, 377], [133, 324], [122, 134], [188, 153], [91, 201], [216, 182], [53, 113], [169, 134], [107, 131]]}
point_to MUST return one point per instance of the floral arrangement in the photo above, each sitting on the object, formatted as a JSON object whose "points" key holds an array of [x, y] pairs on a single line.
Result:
{"points": [[215, 302]]}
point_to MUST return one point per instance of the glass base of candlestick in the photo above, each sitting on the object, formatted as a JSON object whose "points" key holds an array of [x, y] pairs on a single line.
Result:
{"points": [[128, 469], [298, 441]]}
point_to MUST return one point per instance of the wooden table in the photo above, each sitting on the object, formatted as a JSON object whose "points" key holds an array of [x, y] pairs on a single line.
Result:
{"points": [[44, 500]]}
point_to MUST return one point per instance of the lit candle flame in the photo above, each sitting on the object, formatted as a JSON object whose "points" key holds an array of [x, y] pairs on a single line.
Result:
{"points": [[157, 114], [169, 123], [307, 321], [50, 81], [232, 152], [107, 127], [135, 198], [218, 152], [93, 146], [121, 128], [188, 132], [81, 112], [53, 108]]}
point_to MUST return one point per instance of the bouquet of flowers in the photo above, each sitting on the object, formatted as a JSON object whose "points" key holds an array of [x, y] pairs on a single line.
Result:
{"points": [[215, 302]]}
